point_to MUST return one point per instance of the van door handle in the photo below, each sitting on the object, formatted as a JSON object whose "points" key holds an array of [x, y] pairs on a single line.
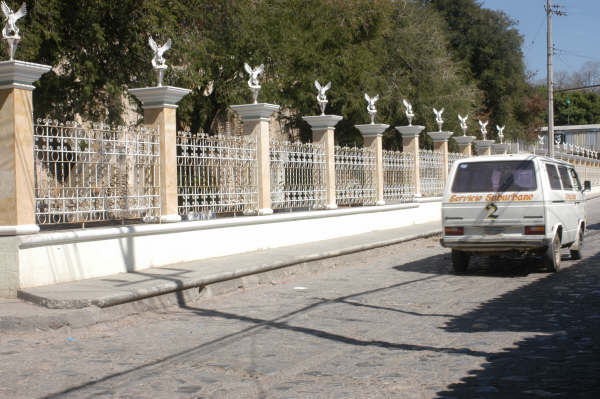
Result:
{"points": [[558, 201]]}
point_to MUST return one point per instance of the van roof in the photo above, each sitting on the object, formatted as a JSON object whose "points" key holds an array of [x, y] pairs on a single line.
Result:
{"points": [[513, 157]]}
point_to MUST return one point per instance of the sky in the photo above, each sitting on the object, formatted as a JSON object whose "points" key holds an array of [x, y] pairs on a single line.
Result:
{"points": [[576, 36]]}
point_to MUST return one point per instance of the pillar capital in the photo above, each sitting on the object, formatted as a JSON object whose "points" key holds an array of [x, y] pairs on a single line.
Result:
{"points": [[20, 74], [372, 130], [499, 148], [409, 131], [254, 112], [463, 140], [484, 147], [439, 137], [464, 144], [322, 122], [160, 96]]}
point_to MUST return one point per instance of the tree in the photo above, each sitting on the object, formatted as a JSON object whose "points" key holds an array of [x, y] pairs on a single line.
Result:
{"points": [[491, 47]]}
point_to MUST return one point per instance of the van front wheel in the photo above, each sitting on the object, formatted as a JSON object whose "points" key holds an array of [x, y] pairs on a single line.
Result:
{"points": [[552, 255], [460, 261]]}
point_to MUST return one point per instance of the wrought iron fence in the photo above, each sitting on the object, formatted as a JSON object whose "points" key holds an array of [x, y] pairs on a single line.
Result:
{"points": [[355, 176], [398, 176], [594, 174], [431, 173], [215, 174], [297, 175], [98, 173], [453, 157]]}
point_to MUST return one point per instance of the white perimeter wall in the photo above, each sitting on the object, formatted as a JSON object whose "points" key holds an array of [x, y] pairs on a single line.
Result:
{"points": [[55, 257]]}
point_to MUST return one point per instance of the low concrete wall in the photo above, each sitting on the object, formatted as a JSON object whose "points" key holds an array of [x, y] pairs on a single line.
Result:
{"points": [[54, 257]]}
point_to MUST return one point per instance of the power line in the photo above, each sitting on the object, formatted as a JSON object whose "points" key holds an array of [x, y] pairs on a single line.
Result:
{"points": [[578, 88]]}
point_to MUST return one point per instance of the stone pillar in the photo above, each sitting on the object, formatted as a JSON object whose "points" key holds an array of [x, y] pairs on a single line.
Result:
{"points": [[440, 144], [160, 105], [372, 134], [17, 196], [499, 149], [410, 143], [484, 147], [323, 128], [256, 119], [464, 144]]}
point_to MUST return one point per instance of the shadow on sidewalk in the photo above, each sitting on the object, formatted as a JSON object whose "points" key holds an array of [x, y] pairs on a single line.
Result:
{"points": [[561, 360]]}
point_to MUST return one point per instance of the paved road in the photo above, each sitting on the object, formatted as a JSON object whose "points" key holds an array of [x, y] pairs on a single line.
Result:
{"points": [[386, 323]]}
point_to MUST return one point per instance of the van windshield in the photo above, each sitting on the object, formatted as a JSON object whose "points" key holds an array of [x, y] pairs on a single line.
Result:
{"points": [[495, 176]]}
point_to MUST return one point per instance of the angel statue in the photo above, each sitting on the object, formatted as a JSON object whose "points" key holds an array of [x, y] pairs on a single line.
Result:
{"points": [[371, 106], [438, 117], [540, 139], [483, 129], [10, 33], [409, 112], [253, 80], [463, 123], [500, 134], [321, 97], [158, 61]]}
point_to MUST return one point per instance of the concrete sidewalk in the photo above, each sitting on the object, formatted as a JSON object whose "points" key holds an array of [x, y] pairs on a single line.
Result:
{"points": [[87, 302]]}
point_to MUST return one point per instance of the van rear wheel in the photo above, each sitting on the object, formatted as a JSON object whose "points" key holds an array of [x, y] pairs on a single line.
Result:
{"points": [[460, 261], [578, 246], [552, 255]]}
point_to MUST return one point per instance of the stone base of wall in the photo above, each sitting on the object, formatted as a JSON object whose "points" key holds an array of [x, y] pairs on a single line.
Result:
{"points": [[55, 257]]}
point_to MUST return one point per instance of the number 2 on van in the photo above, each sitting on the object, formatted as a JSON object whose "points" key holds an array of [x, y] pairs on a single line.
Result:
{"points": [[493, 209]]}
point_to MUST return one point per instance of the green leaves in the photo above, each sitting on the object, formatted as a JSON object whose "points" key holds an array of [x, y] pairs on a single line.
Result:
{"points": [[434, 56]]}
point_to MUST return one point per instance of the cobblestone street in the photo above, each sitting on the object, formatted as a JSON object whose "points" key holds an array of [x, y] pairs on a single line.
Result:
{"points": [[392, 322]]}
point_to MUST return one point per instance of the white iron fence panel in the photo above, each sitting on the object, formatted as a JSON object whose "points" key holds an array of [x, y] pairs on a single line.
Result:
{"points": [[398, 176], [297, 175], [355, 176], [431, 173], [453, 157], [215, 174], [95, 174]]}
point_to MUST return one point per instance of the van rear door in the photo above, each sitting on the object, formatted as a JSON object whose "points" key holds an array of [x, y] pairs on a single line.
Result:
{"points": [[495, 197]]}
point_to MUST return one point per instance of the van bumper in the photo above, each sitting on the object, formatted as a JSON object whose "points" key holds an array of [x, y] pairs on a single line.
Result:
{"points": [[496, 244]]}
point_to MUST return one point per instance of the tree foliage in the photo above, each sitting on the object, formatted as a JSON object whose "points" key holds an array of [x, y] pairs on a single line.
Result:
{"points": [[429, 52], [491, 47]]}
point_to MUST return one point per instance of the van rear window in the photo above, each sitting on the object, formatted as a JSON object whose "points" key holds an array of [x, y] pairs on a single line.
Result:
{"points": [[494, 176]]}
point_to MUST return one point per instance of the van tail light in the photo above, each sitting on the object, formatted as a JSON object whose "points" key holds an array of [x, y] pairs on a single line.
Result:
{"points": [[535, 230], [454, 231]]}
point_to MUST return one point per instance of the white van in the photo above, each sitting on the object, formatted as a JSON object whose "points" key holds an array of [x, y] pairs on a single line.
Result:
{"points": [[513, 203]]}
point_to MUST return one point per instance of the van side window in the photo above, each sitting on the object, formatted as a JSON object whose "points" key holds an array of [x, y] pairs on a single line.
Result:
{"points": [[564, 177], [575, 178], [553, 177]]}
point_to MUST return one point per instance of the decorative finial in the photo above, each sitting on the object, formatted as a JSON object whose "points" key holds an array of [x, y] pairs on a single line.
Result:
{"points": [[483, 129], [438, 118], [500, 134], [540, 139], [10, 33], [463, 123], [409, 112], [158, 61], [321, 97], [253, 81], [371, 106]]}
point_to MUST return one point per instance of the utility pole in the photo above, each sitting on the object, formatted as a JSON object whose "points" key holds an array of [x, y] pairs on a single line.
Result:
{"points": [[550, 9]]}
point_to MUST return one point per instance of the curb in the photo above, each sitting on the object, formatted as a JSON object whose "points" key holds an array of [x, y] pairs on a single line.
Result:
{"points": [[170, 287]]}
